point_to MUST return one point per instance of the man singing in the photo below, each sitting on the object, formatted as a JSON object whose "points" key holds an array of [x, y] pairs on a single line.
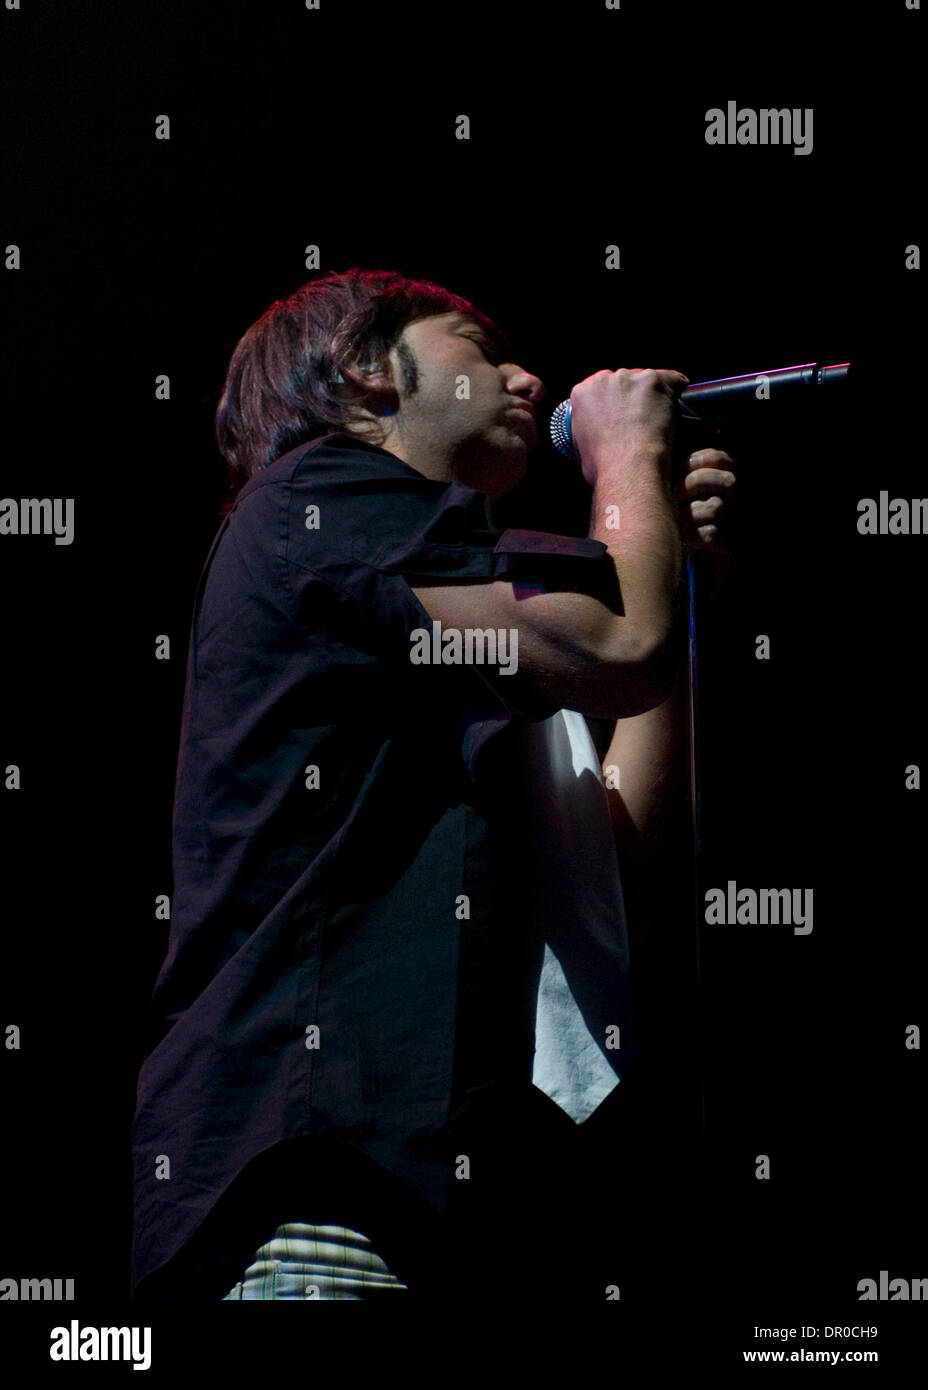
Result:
{"points": [[398, 980]]}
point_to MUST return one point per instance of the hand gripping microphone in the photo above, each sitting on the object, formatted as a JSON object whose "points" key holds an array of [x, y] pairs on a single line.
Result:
{"points": [[729, 397]]}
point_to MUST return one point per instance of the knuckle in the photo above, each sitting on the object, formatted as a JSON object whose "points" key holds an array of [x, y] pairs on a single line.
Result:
{"points": [[707, 507]]}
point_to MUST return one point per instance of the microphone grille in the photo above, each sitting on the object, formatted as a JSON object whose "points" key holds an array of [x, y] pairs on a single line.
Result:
{"points": [[561, 436]]}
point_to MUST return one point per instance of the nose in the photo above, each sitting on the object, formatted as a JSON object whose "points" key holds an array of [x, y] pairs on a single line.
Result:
{"points": [[522, 383]]}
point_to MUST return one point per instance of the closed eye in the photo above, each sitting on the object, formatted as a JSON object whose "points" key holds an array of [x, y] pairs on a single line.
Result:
{"points": [[488, 352]]}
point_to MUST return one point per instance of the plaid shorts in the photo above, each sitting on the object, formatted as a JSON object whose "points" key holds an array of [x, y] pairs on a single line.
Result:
{"points": [[301, 1261]]}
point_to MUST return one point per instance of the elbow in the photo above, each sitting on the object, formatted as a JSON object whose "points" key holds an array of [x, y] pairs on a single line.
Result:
{"points": [[659, 671], [647, 675]]}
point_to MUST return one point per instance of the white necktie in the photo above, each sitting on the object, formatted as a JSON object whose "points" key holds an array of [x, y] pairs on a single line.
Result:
{"points": [[570, 1065]]}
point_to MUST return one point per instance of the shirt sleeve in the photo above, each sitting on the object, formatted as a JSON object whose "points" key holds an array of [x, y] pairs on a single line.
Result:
{"points": [[379, 527]]}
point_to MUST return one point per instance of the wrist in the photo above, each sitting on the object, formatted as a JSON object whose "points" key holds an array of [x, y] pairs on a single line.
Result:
{"points": [[638, 458]]}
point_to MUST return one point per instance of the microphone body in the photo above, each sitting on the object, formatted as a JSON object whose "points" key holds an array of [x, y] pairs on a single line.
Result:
{"points": [[729, 397]]}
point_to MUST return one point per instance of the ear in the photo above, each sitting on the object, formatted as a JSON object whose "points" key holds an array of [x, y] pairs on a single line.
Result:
{"points": [[382, 397], [370, 378]]}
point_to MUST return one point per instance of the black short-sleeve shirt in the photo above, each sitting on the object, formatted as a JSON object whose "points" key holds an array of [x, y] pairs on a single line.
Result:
{"points": [[345, 948]]}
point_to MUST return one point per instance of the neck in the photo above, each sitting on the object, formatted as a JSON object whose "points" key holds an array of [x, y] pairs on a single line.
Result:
{"points": [[427, 454]]}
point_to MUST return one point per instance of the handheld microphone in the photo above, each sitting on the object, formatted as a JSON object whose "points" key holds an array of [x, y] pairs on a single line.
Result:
{"points": [[726, 398]]}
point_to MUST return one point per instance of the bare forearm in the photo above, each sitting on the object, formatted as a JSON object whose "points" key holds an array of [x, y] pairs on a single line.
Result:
{"points": [[648, 758], [633, 514]]}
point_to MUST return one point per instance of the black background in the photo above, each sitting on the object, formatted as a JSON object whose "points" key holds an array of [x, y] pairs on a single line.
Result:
{"points": [[336, 128]]}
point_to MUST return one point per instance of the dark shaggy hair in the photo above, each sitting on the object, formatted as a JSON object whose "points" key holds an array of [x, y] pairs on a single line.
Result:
{"points": [[286, 382]]}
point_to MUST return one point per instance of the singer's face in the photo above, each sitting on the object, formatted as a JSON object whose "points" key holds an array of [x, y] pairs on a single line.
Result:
{"points": [[469, 408]]}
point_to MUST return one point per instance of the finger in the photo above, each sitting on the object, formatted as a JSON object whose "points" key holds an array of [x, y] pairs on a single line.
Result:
{"points": [[662, 371], [676, 381], [672, 381], [711, 458], [707, 538], [703, 483], [707, 510]]}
